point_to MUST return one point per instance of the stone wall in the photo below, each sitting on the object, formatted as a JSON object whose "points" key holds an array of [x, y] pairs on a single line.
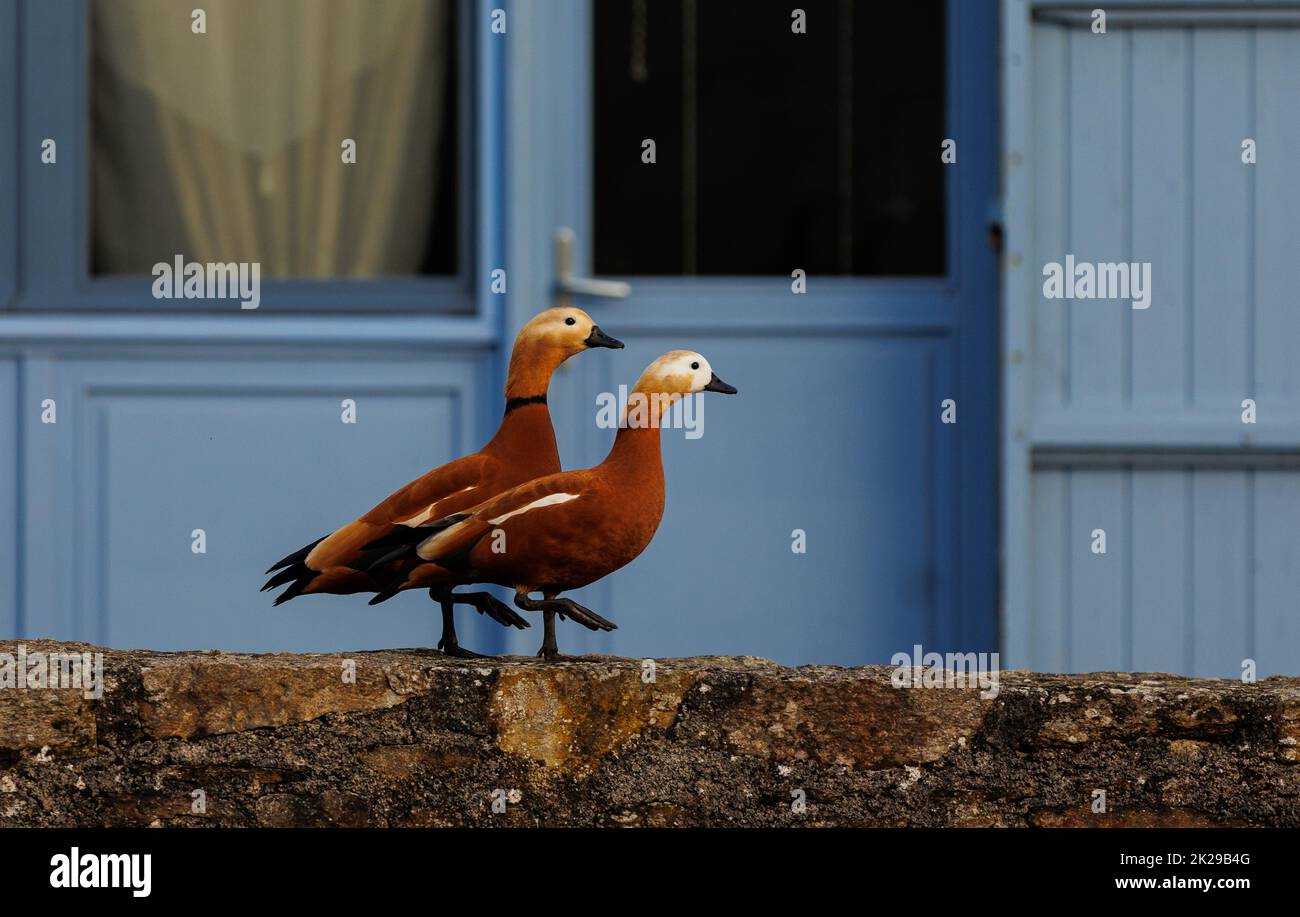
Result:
{"points": [[409, 737]]}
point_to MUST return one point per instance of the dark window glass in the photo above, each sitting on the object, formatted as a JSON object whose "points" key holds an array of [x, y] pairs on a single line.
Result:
{"points": [[774, 150], [223, 140]]}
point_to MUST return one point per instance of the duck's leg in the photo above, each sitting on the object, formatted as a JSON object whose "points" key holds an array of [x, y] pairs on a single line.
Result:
{"points": [[550, 606], [449, 644], [581, 614], [550, 650], [485, 603]]}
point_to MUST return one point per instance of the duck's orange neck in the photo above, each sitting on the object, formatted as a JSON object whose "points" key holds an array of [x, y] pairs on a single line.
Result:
{"points": [[526, 440], [636, 448], [526, 436], [637, 457], [531, 368]]}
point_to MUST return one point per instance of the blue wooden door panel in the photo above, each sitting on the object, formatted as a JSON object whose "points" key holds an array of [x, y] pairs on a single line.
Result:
{"points": [[178, 417], [1131, 420], [1108, 188], [799, 448], [1095, 230], [1098, 622], [11, 533], [1199, 575], [9, 59], [836, 430], [1160, 215], [1274, 611], [1161, 580], [1044, 632], [253, 452], [1276, 200], [1221, 237]]}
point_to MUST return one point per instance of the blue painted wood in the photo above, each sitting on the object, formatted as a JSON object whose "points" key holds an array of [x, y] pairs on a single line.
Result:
{"points": [[1046, 149], [969, 472], [247, 329], [1130, 145], [1162, 529], [1274, 623], [720, 576], [253, 452], [1223, 537], [1276, 197], [229, 418], [10, 452], [1097, 597], [1222, 234], [1096, 228], [1206, 581], [1045, 635], [1160, 210], [8, 155], [52, 85], [836, 430], [1021, 112]]}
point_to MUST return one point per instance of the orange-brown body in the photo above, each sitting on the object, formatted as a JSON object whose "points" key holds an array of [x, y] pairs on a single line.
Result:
{"points": [[565, 530], [614, 516], [522, 449]]}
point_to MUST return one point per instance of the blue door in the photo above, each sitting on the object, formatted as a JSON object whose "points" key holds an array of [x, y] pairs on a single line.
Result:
{"points": [[1153, 454], [795, 221], [773, 192], [158, 452]]}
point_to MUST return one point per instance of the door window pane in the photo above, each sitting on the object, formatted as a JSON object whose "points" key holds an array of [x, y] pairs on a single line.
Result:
{"points": [[774, 150], [227, 146]]}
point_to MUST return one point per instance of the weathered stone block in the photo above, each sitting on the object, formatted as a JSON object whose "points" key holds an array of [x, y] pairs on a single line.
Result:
{"points": [[409, 737]]}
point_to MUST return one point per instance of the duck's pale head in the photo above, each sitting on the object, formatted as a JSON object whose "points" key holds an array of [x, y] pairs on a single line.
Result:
{"points": [[562, 332], [681, 372]]}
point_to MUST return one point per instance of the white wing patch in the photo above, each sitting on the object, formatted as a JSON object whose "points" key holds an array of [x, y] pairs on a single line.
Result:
{"points": [[422, 518], [431, 547], [548, 500]]}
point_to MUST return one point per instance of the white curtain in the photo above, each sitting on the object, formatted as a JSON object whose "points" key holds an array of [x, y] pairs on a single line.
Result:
{"points": [[225, 146]]}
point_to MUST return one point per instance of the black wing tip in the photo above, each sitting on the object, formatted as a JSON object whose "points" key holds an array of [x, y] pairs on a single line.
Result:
{"points": [[385, 595], [400, 543], [459, 561], [396, 554], [402, 534], [296, 556], [297, 571], [294, 590], [389, 589]]}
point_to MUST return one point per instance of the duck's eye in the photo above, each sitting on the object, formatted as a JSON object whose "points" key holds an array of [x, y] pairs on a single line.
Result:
{"points": [[570, 320], [695, 366]]}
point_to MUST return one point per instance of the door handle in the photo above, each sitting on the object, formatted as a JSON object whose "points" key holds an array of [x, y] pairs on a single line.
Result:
{"points": [[568, 286]]}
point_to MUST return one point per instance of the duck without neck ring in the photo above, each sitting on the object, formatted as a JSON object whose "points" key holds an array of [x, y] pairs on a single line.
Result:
{"points": [[565, 530], [522, 449]]}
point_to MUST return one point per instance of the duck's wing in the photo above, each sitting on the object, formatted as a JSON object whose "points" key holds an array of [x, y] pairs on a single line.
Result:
{"points": [[448, 541], [418, 501], [332, 563], [450, 546]]}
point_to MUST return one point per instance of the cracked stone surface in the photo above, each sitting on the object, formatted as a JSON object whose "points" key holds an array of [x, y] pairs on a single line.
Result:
{"points": [[410, 737]]}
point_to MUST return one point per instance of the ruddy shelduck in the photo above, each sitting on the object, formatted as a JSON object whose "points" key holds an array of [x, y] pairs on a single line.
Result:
{"points": [[523, 448], [565, 530]]}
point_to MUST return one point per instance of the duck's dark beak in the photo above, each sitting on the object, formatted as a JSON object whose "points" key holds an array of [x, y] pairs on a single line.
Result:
{"points": [[598, 338], [717, 385]]}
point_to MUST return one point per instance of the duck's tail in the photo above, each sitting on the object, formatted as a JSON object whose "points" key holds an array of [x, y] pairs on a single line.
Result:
{"points": [[295, 572], [402, 542]]}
